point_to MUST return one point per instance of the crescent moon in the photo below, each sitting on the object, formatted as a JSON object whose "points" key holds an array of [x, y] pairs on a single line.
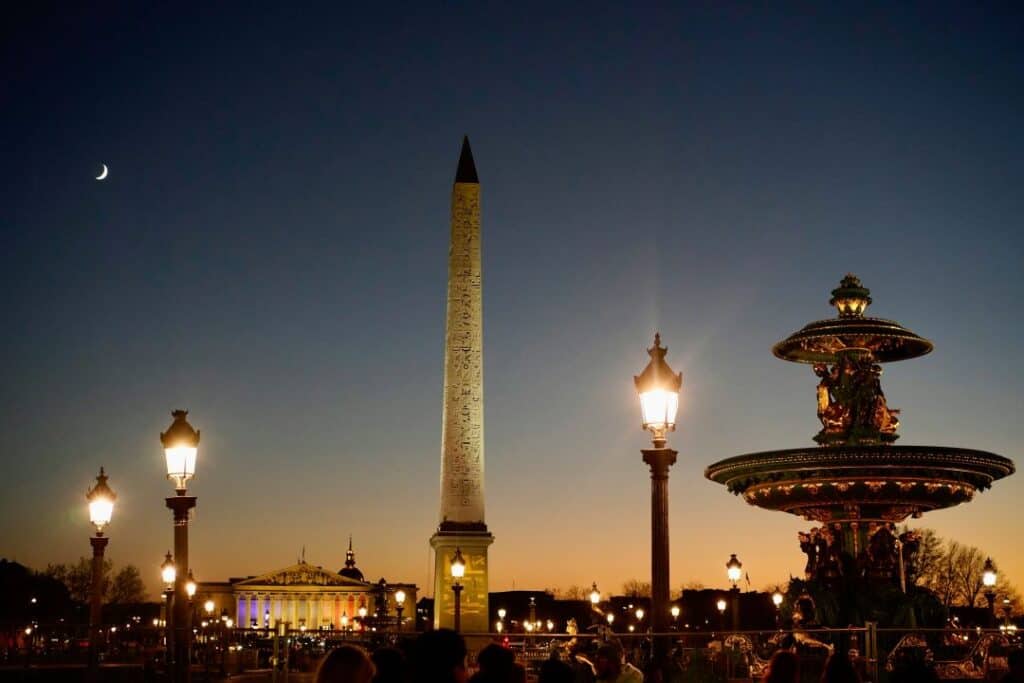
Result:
{"points": [[103, 173]]}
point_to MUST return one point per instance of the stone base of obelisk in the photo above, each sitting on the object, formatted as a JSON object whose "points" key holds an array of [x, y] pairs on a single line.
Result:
{"points": [[473, 610]]}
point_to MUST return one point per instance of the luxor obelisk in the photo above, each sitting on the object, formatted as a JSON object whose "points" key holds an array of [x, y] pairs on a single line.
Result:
{"points": [[462, 523]]}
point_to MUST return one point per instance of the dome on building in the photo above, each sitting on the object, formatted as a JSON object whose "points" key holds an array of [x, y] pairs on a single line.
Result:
{"points": [[350, 571]]}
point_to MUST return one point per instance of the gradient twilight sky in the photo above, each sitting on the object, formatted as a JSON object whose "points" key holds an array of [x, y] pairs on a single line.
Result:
{"points": [[269, 252]]}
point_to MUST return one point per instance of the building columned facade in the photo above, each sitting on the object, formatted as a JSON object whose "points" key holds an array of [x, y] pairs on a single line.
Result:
{"points": [[308, 596]]}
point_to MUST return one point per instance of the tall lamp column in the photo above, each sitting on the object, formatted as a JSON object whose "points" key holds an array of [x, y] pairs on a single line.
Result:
{"points": [[658, 388], [101, 508], [458, 569], [181, 443]]}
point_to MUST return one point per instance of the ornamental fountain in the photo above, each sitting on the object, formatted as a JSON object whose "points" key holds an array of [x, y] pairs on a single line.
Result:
{"points": [[857, 484]]}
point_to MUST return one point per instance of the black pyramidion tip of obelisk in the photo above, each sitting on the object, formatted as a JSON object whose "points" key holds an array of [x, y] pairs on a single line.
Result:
{"points": [[466, 172]]}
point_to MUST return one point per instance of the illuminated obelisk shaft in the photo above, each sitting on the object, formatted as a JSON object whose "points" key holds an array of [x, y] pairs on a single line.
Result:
{"points": [[462, 427]]}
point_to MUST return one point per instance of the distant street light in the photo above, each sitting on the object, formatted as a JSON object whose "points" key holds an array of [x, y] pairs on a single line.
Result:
{"points": [[399, 605], [988, 579], [777, 601], [181, 445], [734, 570], [101, 508], [675, 617], [458, 569], [658, 389], [595, 595], [190, 586]]}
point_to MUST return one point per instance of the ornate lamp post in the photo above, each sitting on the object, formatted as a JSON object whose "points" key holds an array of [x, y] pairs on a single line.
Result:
{"points": [[458, 569], [658, 388], [399, 605], [989, 578], [734, 570], [181, 443], [101, 508], [777, 601], [168, 573]]}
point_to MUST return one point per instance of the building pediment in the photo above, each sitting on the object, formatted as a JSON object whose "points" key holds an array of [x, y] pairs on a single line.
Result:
{"points": [[301, 574]]}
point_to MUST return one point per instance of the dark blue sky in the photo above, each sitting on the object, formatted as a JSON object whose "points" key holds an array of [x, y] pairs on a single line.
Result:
{"points": [[269, 251]]}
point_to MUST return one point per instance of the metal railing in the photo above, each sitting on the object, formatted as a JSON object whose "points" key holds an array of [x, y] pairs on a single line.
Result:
{"points": [[955, 654]]}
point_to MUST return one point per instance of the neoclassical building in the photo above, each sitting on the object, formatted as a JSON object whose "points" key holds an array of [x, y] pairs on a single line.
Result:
{"points": [[309, 596]]}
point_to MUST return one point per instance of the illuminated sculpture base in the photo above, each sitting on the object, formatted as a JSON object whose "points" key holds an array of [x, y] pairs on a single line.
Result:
{"points": [[473, 608]]}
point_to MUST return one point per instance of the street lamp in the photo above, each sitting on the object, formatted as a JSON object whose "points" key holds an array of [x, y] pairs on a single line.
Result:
{"points": [[595, 595], [458, 569], [658, 389], [168, 572], [721, 605], [181, 444], [101, 508], [777, 601], [734, 570], [611, 618], [190, 586], [502, 613], [989, 578], [639, 614], [399, 605], [208, 607]]}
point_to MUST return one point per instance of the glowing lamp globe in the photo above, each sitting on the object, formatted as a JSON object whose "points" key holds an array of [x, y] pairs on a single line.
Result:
{"points": [[777, 598], [658, 388], [720, 605], [639, 613], [167, 570], [181, 443], [675, 611], [501, 613], [400, 597], [734, 569], [101, 503], [190, 585], [208, 606], [458, 566], [989, 575], [610, 618], [595, 595]]}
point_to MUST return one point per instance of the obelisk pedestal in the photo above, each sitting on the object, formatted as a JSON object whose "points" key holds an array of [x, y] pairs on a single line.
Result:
{"points": [[462, 523]]}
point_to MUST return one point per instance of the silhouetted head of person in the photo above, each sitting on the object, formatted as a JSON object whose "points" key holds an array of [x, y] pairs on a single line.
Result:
{"points": [[439, 657], [608, 662], [556, 671], [346, 664], [390, 663], [783, 668], [495, 659], [839, 669]]}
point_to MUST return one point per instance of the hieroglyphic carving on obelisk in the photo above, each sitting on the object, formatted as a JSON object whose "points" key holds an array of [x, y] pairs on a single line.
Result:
{"points": [[462, 428]]}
